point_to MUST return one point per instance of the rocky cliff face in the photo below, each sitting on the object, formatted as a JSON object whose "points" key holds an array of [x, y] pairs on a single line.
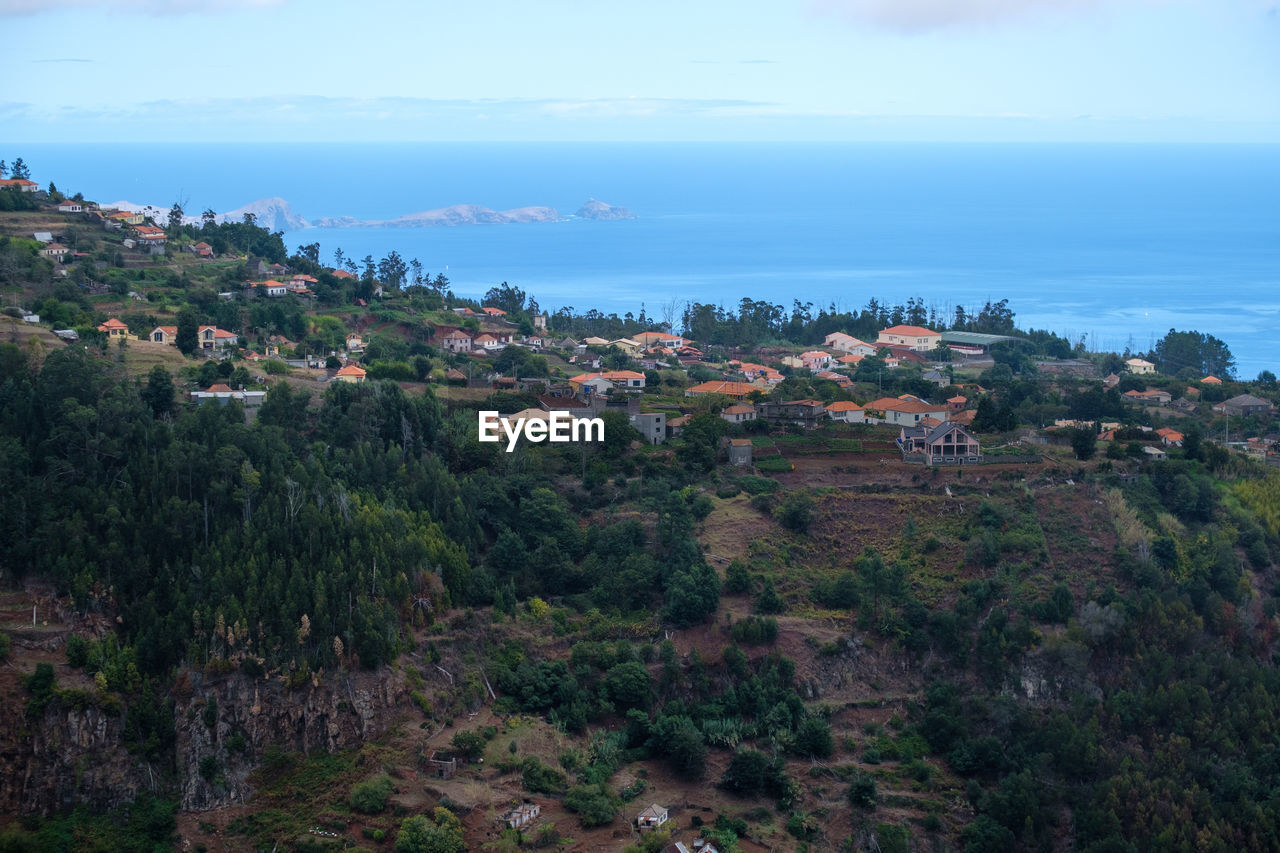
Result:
{"points": [[66, 757], [251, 715]]}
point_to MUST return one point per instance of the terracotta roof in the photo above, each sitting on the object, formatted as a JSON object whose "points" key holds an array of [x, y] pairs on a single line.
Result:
{"points": [[622, 374], [219, 388], [113, 323], [17, 182], [740, 442], [733, 389], [815, 354], [1211, 380], [740, 409], [958, 399], [909, 331], [351, 370], [494, 312], [910, 407], [168, 330], [341, 274], [844, 406]]}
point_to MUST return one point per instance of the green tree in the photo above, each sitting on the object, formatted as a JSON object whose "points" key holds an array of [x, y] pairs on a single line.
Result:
{"points": [[506, 297], [19, 170], [628, 685], [1203, 353], [441, 833], [188, 337], [158, 392], [1084, 442], [175, 219], [370, 796], [618, 433], [595, 805], [795, 512]]}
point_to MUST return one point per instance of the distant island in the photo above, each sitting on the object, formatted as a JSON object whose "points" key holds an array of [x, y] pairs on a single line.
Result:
{"points": [[275, 214]]}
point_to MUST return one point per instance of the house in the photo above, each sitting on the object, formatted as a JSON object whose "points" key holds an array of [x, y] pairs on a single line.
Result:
{"points": [[540, 322], [271, 288], [937, 377], [164, 335], [211, 337], [343, 274], [70, 206], [628, 380], [627, 345], [566, 343], [1155, 454], [22, 185], [201, 249], [494, 312], [850, 360], [739, 413], [665, 339], [846, 412], [114, 328], [651, 818], [487, 342], [848, 344], [1245, 404], [1140, 366], [652, 426], [1170, 437], [736, 390], [1211, 380], [355, 343], [1111, 381], [590, 383], [595, 342], [739, 451], [957, 403], [816, 360], [126, 217], [350, 373], [43, 236], [830, 376], [915, 338], [54, 250], [908, 412], [941, 444], [675, 426], [221, 394], [1149, 397], [457, 341], [522, 815], [804, 413], [754, 372]]}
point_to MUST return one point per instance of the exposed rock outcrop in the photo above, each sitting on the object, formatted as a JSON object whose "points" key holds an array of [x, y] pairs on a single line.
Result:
{"points": [[595, 209]]}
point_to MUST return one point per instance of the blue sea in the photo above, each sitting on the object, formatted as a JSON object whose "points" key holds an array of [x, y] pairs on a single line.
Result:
{"points": [[1112, 244]]}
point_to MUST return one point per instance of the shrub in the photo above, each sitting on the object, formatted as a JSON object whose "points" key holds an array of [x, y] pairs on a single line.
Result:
{"points": [[737, 579], [370, 796], [595, 805], [469, 744], [538, 778], [862, 792]]}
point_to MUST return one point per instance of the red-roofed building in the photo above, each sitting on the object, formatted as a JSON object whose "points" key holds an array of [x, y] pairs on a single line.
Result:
{"points": [[19, 184], [736, 390], [846, 412], [916, 338], [908, 412], [164, 335], [114, 328], [211, 337], [739, 413], [350, 373], [342, 274]]}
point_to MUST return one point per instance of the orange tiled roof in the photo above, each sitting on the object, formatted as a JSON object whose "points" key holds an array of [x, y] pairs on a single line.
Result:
{"points": [[733, 389], [844, 406], [351, 370], [909, 331]]}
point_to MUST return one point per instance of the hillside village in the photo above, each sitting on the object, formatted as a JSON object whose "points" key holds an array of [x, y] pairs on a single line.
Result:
{"points": [[342, 326], [881, 580]]}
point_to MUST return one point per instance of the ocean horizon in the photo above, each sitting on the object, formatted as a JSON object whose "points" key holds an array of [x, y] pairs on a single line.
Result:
{"points": [[1112, 244]]}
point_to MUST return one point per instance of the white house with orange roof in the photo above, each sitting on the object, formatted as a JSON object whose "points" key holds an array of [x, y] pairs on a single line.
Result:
{"points": [[350, 373], [916, 338], [909, 411], [739, 413], [847, 412]]}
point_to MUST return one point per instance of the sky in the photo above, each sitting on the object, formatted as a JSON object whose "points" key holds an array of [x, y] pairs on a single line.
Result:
{"points": [[612, 70]]}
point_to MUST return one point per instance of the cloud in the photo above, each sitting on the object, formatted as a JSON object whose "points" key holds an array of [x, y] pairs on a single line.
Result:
{"points": [[11, 8], [923, 15]]}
